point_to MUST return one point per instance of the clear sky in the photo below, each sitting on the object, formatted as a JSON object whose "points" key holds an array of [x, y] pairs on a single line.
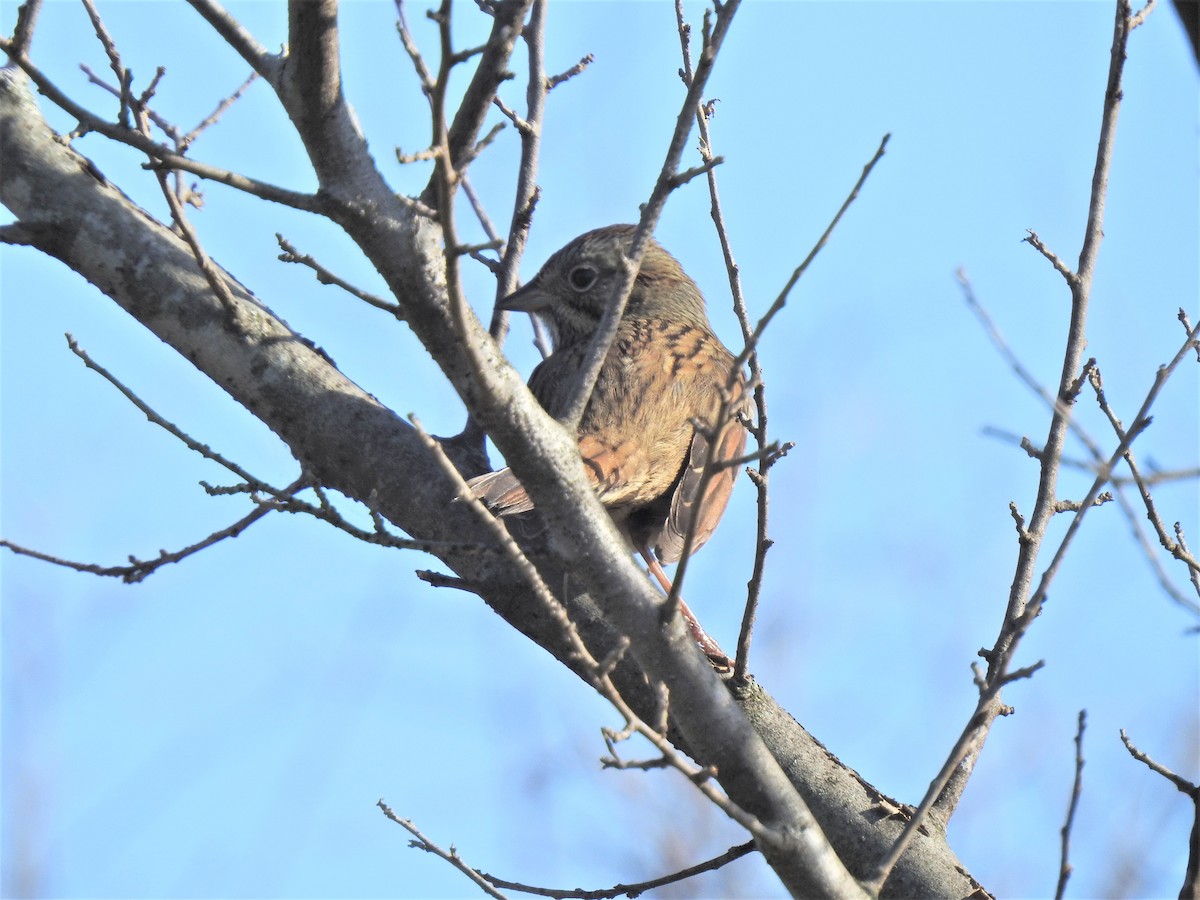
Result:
{"points": [[225, 728]]}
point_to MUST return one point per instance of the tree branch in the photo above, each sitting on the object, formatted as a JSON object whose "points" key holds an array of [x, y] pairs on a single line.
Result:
{"points": [[347, 440]]}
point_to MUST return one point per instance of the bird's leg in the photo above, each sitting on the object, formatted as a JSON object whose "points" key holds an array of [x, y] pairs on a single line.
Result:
{"points": [[710, 647]]}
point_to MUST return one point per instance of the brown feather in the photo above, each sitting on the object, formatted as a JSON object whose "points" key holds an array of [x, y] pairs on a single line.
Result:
{"points": [[665, 370]]}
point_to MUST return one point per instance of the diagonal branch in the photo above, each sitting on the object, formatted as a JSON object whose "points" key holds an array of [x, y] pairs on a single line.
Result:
{"points": [[606, 331], [1024, 601], [630, 890], [257, 56], [164, 155]]}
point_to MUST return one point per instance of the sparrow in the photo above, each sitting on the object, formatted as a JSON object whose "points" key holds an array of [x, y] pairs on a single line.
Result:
{"points": [[667, 400]]}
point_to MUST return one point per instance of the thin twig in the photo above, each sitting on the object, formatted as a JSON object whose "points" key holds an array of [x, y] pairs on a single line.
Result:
{"points": [[140, 569], [1181, 783], [1191, 878], [451, 856], [629, 890], [167, 127], [499, 531], [527, 169], [124, 76], [1160, 529], [727, 417], [1059, 266], [291, 255], [414, 52], [379, 535], [172, 429], [212, 273], [211, 119], [555, 80], [1118, 482], [1031, 609], [759, 430], [781, 300], [1064, 867]]}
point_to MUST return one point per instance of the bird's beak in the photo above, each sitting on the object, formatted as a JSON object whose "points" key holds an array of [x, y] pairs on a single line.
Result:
{"points": [[529, 298]]}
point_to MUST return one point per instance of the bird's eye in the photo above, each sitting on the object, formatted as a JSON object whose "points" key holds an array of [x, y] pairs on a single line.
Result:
{"points": [[582, 277]]}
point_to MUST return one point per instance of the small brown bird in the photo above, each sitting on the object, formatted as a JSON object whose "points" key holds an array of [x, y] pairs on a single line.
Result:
{"points": [[665, 372]]}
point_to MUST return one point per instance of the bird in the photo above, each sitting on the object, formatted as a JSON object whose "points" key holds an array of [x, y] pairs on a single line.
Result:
{"points": [[668, 399]]}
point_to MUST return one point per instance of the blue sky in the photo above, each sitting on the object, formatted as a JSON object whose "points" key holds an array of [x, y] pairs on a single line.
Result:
{"points": [[225, 728]]}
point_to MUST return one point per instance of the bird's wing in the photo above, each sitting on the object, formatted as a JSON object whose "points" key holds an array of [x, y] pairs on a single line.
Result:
{"points": [[501, 492], [688, 504]]}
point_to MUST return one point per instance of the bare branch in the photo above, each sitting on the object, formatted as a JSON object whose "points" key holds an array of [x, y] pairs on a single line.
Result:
{"points": [[172, 429], [124, 76], [781, 300], [325, 511], [214, 275], [1064, 867], [1118, 481], [21, 234], [555, 80], [490, 72], [451, 856], [409, 43], [595, 672], [1187, 327], [27, 14], [522, 125], [1005, 351], [139, 569], [1171, 546], [499, 531], [1191, 878], [1025, 602], [164, 156], [211, 119], [1195, 576], [244, 44], [682, 178], [1059, 266], [168, 128], [1181, 783], [312, 88], [527, 192], [291, 255], [629, 890]]}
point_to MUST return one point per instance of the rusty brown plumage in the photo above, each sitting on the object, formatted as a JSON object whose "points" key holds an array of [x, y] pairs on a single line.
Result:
{"points": [[665, 373]]}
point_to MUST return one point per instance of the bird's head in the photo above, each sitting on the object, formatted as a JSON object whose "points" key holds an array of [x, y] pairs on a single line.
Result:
{"points": [[576, 284]]}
